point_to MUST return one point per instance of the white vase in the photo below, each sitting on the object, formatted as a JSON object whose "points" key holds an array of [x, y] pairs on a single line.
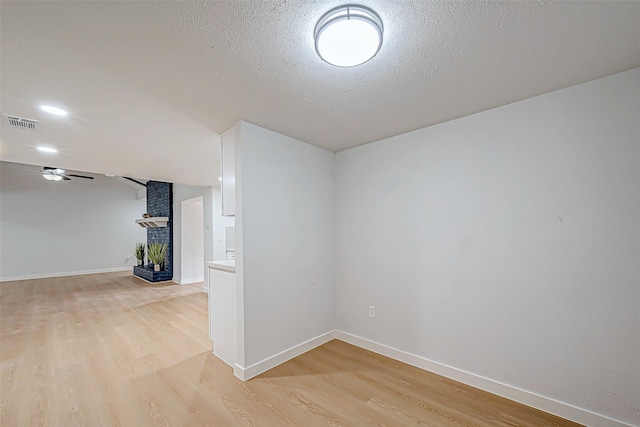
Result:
{"points": [[139, 262], [156, 267]]}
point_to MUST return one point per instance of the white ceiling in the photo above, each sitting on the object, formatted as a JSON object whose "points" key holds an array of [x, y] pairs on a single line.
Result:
{"points": [[150, 85]]}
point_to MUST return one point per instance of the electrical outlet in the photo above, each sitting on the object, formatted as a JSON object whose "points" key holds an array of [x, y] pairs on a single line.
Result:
{"points": [[372, 312]]}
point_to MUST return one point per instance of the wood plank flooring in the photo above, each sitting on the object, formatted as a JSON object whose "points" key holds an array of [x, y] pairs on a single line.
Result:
{"points": [[111, 350]]}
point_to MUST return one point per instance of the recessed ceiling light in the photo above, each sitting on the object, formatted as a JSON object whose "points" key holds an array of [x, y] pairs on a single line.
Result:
{"points": [[53, 110], [47, 149], [348, 35]]}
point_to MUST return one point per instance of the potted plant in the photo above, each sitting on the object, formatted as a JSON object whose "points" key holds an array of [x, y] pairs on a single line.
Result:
{"points": [[139, 252], [156, 253]]}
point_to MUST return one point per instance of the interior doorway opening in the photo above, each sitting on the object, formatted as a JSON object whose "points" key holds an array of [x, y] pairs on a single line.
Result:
{"points": [[192, 241]]}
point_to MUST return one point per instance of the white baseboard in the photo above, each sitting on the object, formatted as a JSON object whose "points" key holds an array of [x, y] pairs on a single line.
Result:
{"points": [[187, 281], [546, 404], [64, 274], [205, 289], [271, 362]]}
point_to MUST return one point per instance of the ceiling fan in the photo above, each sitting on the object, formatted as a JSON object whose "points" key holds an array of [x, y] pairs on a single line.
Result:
{"points": [[57, 174]]}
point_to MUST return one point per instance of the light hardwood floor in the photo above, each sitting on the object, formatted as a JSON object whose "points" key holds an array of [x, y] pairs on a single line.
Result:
{"points": [[111, 350]]}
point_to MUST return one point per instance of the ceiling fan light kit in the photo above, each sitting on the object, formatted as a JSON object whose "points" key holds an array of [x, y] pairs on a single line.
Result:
{"points": [[52, 177], [57, 174], [348, 35]]}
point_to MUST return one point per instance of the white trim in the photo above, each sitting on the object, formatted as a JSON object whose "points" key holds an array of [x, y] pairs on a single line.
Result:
{"points": [[205, 289], [271, 362], [187, 281], [63, 274], [529, 398]]}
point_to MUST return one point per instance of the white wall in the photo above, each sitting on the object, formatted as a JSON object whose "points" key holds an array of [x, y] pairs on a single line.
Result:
{"points": [[505, 244], [68, 227], [284, 242], [181, 193]]}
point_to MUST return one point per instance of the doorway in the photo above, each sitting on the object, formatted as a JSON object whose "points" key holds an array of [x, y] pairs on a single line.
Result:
{"points": [[192, 241]]}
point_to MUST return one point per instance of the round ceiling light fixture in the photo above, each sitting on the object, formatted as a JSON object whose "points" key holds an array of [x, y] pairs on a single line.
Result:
{"points": [[348, 35]]}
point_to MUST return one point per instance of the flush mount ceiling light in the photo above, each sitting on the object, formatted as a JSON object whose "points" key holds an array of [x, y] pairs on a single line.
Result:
{"points": [[348, 35], [53, 110]]}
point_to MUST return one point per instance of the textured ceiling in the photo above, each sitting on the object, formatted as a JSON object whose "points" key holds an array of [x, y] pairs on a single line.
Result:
{"points": [[150, 85]]}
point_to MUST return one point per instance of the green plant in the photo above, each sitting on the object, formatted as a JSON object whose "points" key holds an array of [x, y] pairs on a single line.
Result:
{"points": [[139, 252], [157, 252]]}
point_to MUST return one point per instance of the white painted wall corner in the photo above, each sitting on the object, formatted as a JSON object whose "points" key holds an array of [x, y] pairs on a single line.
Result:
{"points": [[534, 400], [271, 362], [546, 404]]}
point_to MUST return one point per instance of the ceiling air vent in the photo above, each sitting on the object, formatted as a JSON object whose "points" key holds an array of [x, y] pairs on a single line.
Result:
{"points": [[20, 122]]}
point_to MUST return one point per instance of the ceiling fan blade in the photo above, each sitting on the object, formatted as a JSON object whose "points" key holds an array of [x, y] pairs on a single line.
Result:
{"points": [[65, 178], [79, 176]]}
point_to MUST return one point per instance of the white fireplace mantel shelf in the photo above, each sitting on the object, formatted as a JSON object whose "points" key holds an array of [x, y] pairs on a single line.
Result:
{"points": [[153, 222]]}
